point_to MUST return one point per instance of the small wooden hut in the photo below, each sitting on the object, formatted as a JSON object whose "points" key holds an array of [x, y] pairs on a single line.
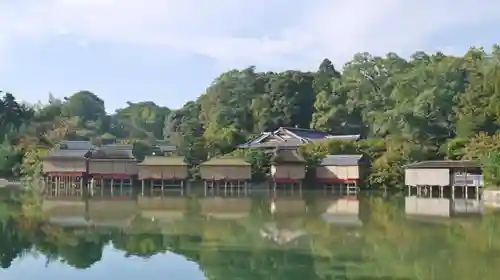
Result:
{"points": [[342, 171], [288, 168], [226, 172], [438, 178], [65, 170], [163, 171], [113, 166]]}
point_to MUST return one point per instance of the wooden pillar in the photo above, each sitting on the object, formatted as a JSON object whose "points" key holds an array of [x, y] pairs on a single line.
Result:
{"points": [[162, 184], [151, 186], [441, 193], [142, 187], [112, 185]]}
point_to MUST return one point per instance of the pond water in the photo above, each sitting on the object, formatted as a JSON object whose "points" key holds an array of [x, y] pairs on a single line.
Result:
{"points": [[308, 235]]}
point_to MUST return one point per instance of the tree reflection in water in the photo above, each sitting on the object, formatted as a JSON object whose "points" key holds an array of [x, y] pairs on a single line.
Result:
{"points": [[378, 241]]}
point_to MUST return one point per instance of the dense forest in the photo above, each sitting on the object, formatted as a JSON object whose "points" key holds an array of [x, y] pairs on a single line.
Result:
{"points": [[428, 106]]}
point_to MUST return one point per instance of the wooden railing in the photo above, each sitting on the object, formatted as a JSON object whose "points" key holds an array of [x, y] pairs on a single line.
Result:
{"points": [[467, 179]]}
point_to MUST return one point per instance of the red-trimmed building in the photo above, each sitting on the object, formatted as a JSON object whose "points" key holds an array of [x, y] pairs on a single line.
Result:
{"points": [[113, 165], [287, 167], [65, 167], [341, 169]]}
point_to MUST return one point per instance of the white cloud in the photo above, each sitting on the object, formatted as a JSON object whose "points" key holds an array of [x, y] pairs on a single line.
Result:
{"points": [[300, 32]]}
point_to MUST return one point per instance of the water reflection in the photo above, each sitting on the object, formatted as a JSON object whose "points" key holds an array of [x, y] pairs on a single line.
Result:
{"points": [[259, 236]]}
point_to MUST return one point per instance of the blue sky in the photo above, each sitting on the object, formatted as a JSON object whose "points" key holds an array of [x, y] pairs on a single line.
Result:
{"points": [[169, 51]]}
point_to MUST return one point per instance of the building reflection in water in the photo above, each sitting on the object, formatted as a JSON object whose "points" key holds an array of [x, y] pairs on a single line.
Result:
{"points": [[442, 204]]}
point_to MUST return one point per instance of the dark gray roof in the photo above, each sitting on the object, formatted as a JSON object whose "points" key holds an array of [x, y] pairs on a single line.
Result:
{"points": [[67, 154], [308, 133], [75, 145], [292, 143], [119, 146], [112, 152], [341, 160], [444, 164], [353, 137], [300, 137]]}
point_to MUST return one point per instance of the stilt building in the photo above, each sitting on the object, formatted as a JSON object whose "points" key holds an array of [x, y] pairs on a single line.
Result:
{"points": [[226, 173], [288, 168], [114, 166], [65, 168], [444, 178], [341, 173], [162, 172]]}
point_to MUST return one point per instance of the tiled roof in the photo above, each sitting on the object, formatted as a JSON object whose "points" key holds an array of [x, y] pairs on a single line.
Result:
{"points": [[75, 145], [353, 137], [444, 164], [287, 156], [226, 161], [292, 143], [119, 146], [341, 160], [299, 136], [163, 161], [67, 154], [307, 133], [112, 152]]}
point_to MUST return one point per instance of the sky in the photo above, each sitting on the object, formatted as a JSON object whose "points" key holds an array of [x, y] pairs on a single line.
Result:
{"points": [[169, 51]]}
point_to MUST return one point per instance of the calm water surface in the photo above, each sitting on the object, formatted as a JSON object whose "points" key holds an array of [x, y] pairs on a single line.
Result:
{"points": [[299, 236]]}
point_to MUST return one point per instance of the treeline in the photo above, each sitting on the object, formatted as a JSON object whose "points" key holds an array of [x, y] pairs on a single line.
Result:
{"points": [[429, 106]]}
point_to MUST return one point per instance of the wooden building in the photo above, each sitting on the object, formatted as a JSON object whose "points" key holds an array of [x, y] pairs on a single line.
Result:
{"points": [[228, 173], [162, 171], [341, 172], [114, 166], [65, 169], [288, 168], [440, 178]]}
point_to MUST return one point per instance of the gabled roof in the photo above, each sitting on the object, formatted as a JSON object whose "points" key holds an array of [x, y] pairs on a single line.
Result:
{"points": [[298, 136], [75, 145], [57, 153], [444, 164], [341, 160], [304, 133], [119, 146], [163, 161], [113, 152], [225, 161], [287, 156]]}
